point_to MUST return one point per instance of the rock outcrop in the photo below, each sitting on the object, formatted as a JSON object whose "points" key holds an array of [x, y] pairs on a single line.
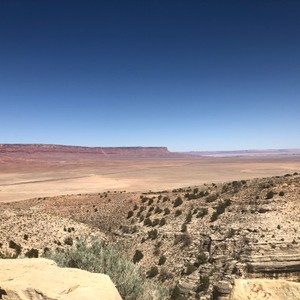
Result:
{"points": [[265, 289], [42, 279]]}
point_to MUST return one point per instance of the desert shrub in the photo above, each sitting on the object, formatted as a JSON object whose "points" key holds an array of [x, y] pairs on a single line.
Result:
{"points": [[162, 222], [178, 212], [151, 208], [183, 227], [178, 201], [270, 195], [159, 197], [141, 218], [150, 201], [188, 217], [68, 241], [196, 190], [26, 237], [185, 239], [155, 222], [46, 251], [152, 234], [202, 212], [204, 284], [98, 257], [147, 222], [156, 251], [130, 214], [135, 207], [138, 255], [148, 214], [211, 198], [162, 260], [190, 269], [177, 294], [158, 210], [220, 209], [16, 247], [214, 216], [281, 193], [201, 259], [152, 272], [144, 199], [166, 211], [165, 199], [32, 253], [165, 275]]}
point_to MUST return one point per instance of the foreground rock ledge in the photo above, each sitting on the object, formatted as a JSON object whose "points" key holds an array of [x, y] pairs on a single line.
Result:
{"points": [[265, 289], [42, 279]]}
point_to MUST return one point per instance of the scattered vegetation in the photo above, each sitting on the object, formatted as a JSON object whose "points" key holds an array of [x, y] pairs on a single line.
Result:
{"points": [[98, 257]]}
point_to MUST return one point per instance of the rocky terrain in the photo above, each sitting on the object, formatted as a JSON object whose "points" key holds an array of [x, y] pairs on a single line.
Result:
{"points": [[196, 240]]}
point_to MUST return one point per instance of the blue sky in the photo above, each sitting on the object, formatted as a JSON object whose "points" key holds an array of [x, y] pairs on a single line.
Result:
{"points": [[189, 75]]}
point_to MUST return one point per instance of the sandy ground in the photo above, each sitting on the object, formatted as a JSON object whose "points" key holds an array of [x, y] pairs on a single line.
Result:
{"points": [[24, 181]]}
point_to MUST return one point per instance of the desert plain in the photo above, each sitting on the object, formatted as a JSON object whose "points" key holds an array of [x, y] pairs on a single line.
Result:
{"points": [[30, 174]]}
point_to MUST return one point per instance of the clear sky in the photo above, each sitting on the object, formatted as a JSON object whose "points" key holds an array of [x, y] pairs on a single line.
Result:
{"points": [[189, 75]]}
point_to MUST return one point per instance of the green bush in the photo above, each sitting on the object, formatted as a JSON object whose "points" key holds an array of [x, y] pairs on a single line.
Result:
{"points": [[183, 228], [130, 214], [68, 241], [214, 216], [270, 195], [185, 239], [162, 222], [162, 260], [152, 234], [177, 202], [211, 198], [190, 269], [155, 222], [138, 255], [166, 211], [176, 293], [188, 217], [204, 284], [202, 212], [16, 247], [32, 253], [147, 222], [98, 257], [152, 272], [178, 212], [201, 259]]}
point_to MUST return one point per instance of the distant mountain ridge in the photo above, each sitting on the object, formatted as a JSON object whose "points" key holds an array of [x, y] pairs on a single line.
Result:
{"points": [[41, 149], [123, 152]]}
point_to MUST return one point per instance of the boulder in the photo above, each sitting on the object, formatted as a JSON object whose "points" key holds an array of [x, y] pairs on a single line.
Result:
{"points": [[42, 279]]}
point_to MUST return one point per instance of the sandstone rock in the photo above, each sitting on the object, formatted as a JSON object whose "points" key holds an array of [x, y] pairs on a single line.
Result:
{"points": [[42, 279], [265, 289]]}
